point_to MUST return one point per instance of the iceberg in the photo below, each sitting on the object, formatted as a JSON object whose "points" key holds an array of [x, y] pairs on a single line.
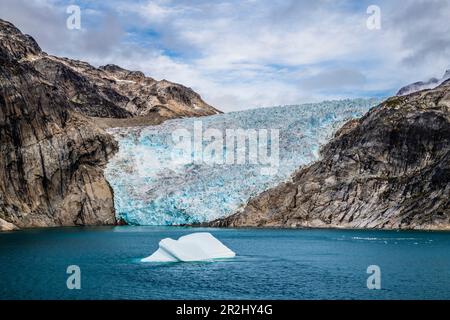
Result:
{"points": [[193, 247]]}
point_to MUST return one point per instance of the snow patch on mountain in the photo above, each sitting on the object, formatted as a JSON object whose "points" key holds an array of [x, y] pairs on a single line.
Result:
{"points": [[423, 85]]}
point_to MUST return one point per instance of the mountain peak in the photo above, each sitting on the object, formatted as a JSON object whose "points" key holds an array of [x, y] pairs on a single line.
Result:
{"points": [[423, 85], [109, 91], [15, 43]]}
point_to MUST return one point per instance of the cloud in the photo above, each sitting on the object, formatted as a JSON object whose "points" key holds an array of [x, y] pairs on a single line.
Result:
{"points": [[247, 53], [45, 20], [424, 32], [337, 79]]}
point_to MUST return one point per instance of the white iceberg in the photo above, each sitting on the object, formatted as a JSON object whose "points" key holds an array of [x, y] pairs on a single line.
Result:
{"points": [[192, 247]]}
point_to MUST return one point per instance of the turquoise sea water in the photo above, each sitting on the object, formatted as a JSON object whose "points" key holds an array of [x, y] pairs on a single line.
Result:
{"points": [[270, 264]]}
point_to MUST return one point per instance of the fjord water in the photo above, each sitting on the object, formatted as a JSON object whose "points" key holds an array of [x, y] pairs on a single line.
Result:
{"points": [[270, 264]]}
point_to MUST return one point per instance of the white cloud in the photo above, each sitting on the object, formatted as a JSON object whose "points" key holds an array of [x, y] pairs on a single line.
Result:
{"points": [[240, 54]]}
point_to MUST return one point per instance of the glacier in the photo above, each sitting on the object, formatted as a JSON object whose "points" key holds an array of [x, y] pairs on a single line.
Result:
{"points": [[151, 188], [198, 246]]}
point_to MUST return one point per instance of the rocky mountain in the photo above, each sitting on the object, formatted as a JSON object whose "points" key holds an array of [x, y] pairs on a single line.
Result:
{"points": [[108, 91], [52, 152], [389, 170], [423, 85]]}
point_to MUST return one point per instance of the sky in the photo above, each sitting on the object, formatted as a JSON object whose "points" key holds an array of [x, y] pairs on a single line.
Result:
{"points": [[240, 54]]}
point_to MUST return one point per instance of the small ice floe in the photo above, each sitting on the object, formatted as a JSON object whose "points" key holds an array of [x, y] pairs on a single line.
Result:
{"points": [[192, 247]]}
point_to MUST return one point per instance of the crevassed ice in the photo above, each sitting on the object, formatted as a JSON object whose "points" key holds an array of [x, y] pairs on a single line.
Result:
{"points": [[150, 188]]}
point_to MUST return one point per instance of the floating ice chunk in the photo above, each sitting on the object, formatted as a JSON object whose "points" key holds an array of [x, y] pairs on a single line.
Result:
{"points": [[193, 247]]}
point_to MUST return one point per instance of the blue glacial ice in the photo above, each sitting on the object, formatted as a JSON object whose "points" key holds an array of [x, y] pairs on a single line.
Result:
{"points": [[152, 188]]}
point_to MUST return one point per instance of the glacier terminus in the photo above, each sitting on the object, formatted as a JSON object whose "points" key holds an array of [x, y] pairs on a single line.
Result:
{"points": [[154, 187]]}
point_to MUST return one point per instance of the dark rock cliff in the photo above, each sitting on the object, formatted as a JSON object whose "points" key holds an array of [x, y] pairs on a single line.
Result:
{"points": [[52, 153], [51, 158], [388, 170]]}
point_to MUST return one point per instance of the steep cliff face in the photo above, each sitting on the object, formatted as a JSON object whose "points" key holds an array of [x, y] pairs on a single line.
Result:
{"points": [[52, 154], [51, 158], [388, 170]]}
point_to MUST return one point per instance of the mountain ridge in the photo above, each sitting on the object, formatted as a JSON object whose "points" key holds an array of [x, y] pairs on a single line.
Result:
{"points": [[108, 91], [423, 85]]}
